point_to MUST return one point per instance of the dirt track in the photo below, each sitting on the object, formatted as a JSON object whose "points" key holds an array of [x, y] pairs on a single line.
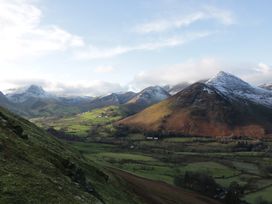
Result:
{"points": [[156, 192]]}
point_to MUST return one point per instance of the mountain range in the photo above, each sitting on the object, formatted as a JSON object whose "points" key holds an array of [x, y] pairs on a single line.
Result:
{"points": [[228, 92], [36, 167], [33, 101], [222, 106]]}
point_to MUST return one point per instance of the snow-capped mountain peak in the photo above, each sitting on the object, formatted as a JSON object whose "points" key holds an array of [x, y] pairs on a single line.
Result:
{"points": [[150, 95], [225, 80], [236, 89], [23, 94], [155, 93]]}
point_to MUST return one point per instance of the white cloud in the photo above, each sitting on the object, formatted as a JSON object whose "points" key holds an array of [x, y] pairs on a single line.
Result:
{"points": [[22, 34], [259, 74], [222, 16], [190, 71], [263, 68], [94, 88], [104, 69], [100, 53], [195, 70], [80, 88]]}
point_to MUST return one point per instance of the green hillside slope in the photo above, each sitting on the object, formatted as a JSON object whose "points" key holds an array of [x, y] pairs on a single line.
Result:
{"points": [[37, 168]]}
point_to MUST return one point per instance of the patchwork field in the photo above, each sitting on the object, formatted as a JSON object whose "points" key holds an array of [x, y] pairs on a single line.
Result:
{"points": [[159, 160]]}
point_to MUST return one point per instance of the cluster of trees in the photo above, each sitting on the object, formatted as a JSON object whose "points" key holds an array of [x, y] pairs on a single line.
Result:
{"points": [[203, 183], [163, 134], [249, 146], [63, 135], [122, 131]]}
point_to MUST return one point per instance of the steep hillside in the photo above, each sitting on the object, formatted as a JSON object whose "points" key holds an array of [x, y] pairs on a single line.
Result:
{"points": [[36, 168], [223, 106]]}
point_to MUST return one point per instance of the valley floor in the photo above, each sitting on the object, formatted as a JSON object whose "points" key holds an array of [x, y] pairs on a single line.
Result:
{"points": [[243, 161], [164, 160]]}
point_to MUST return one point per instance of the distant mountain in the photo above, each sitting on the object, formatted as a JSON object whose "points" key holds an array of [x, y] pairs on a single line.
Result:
{"points": [[5, 103], [223, 106], [131, 102], [3, 100], [112, 99], [23, 94], [145, 98], [266, 86], [33, 101]]}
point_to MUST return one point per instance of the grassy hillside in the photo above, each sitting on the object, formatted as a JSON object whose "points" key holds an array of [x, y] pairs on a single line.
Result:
{"points": [[36, 168], [151, 117]]}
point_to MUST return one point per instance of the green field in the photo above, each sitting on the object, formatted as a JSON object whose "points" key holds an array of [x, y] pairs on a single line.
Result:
{"points": [[124, 156], [265, 194], [215, 169], [158, 162], [96, 121]]}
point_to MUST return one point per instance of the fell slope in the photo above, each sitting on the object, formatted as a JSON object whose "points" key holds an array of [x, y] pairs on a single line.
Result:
{"points": [[210, 109], [37, 168]]}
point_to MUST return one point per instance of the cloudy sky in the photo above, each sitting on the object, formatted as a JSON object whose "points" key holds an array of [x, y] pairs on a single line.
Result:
{"points": [[100, 46]]}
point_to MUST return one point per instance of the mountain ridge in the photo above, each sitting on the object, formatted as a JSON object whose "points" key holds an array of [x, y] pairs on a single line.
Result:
{"points": [[203, 109], [147, 97]]}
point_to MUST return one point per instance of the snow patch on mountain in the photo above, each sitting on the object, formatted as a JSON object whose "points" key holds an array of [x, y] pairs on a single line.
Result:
{"points": [[152, 94], [236, 89], [210, 91]]}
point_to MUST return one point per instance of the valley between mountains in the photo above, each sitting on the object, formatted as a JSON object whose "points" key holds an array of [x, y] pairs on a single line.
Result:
{"points": [[206, 142]]}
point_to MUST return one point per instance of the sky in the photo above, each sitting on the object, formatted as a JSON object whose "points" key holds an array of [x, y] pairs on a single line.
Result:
{"points": [[97, 47]]}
